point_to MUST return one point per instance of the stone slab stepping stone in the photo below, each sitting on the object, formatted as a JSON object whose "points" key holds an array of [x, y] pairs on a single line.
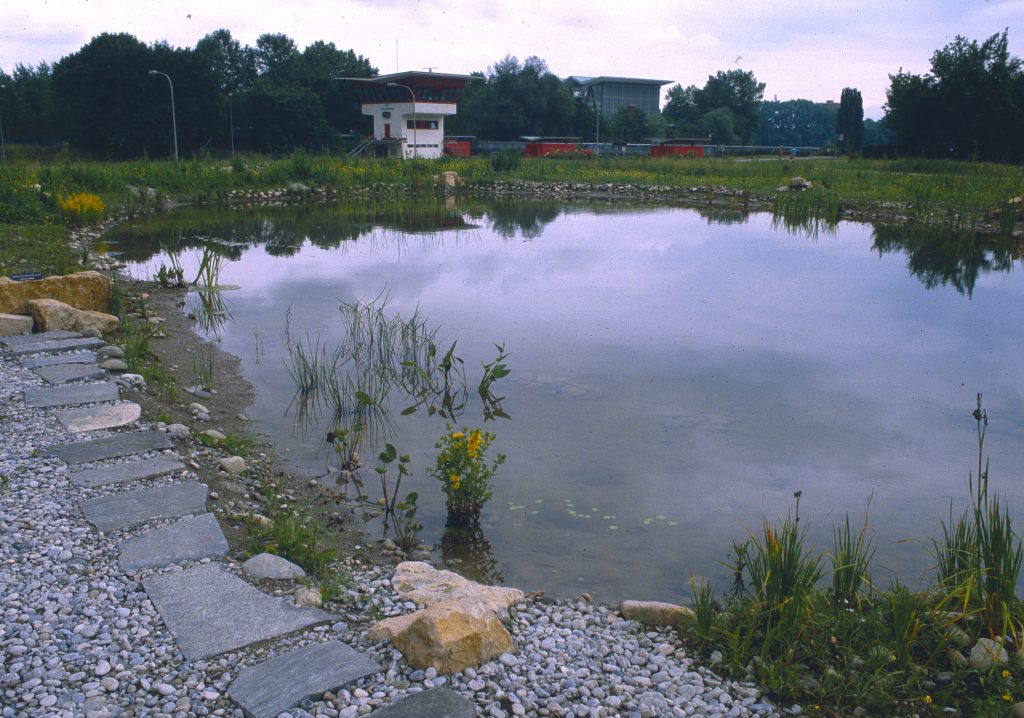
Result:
{"points": [[211, 611], [64, 373], [69, 395], [436, 703], [104, 416], [55, 359], [189, 539], [60, 345], [272, 687], [124, 472], [110, 447], [119, 511], [24, 339]]}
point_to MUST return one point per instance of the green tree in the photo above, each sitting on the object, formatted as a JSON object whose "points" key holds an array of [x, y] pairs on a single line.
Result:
{"points": [[29, 113], [516, 99], [796, 123], [965, 107], [740, 93], [727, 108], [109, 104], [850, 122], [274, 52], [233, 65]]}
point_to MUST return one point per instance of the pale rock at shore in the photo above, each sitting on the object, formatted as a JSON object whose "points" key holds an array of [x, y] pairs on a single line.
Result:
{"points": [[658, 613], [12, 324], [82, 290], [213, 435], [53, 315], [425, 585], [267, 565], [987, 653], [232, 464], [448, 637], [307, 596]]}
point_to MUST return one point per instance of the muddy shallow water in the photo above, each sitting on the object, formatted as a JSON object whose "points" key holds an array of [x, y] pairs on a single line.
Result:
{"points": [[674, 380]]}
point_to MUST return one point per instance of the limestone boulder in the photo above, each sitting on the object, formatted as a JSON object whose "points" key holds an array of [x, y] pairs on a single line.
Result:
{"points": [[658, 613], [53, 315], [83, 290], [427, 586], [12, 324], [268, 565], [449, 637]]}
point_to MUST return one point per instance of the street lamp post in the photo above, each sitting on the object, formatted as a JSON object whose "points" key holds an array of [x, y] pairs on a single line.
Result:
{"points": [[413, 95], [597, 131], [3, 145], [174, 118]]}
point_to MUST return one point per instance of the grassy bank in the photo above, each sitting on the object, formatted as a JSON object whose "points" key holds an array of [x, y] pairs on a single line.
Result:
{"points": [[958, 194]]}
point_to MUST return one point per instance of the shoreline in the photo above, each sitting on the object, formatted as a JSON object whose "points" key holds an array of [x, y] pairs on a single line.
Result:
{"points": [[81, 638]]}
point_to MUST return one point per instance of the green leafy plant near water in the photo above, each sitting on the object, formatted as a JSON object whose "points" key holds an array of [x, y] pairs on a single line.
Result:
{"points": [[848, 644], [295, 535]]}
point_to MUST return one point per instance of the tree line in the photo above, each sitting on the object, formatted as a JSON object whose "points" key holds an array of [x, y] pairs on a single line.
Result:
{"points": [[105, 100]]}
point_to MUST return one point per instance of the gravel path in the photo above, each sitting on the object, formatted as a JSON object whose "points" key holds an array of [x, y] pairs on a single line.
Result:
{"points": [[78, 637]]}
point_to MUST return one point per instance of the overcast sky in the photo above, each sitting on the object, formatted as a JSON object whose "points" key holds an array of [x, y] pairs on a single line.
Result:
{"points": [[799, 49]]}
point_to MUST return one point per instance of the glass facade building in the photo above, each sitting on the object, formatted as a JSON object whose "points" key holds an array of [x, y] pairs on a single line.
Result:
{"points": [[611, 94]]}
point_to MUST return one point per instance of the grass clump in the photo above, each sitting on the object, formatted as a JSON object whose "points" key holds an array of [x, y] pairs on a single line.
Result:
{"points": [[845, 646], [295, 535]]}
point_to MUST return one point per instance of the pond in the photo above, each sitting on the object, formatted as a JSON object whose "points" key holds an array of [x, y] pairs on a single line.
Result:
{"points": [[676, 376]]}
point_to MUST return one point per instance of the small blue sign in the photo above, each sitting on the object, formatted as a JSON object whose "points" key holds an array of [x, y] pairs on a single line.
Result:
{"points": [[27, 276]]}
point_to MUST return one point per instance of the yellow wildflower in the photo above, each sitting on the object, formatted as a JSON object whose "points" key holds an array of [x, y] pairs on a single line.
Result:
{"points": [[1006, 673], [457, 435], [473, 444], [456, 481], [1008, 698], [928, 700]]}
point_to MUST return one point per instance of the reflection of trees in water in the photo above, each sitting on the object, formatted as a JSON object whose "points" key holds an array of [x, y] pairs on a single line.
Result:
{"points": [[510, 218], [282, 231], [465, 549], [941, 257]]}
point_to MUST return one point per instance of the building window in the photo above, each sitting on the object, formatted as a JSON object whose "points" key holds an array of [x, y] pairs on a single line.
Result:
{"points": [[386, 114], [421, 124]]}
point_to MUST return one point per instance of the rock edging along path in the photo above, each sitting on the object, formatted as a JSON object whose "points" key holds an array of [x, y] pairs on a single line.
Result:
{"points": [[79, 636], [208, 609]]}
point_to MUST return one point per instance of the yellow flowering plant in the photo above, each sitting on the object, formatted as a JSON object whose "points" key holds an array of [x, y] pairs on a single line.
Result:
{"points": [[464, 472], [81, 208]]}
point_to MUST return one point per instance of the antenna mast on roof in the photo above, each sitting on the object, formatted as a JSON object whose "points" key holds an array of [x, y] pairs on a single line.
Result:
{"points": [[430, 69]]}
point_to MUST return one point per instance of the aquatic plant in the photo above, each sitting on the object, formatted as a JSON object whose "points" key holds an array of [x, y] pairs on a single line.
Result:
{"points": [[463, 470]]}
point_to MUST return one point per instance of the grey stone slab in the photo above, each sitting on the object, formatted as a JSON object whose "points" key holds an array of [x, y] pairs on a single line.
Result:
{"points": [[119, 511], [124, 472], [69, 395], [24, 339], [110, 447], [65, 373], [102, 416], [52, 347], [436, 703], [189, 539], [274, 686], [210, 611], [55, 359]]}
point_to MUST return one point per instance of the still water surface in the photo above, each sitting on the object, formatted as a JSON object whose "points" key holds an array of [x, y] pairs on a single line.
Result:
{"points": [[674, 380]]}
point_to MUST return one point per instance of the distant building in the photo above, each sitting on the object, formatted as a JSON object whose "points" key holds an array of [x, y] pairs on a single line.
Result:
{"points": [[611, 94], [408, 111]]}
